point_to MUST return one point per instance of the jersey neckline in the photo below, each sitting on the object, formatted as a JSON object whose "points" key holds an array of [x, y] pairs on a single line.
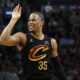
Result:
{"points": [[37, 38]]}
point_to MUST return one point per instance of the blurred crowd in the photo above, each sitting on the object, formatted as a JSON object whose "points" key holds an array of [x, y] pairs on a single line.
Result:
{"points": [[62, 22]]}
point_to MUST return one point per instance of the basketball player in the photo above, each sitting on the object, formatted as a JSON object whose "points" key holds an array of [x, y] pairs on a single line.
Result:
{"points": [[39, 52]]}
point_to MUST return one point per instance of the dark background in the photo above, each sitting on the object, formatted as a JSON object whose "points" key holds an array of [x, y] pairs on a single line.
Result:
{"points": [[62, 22]]}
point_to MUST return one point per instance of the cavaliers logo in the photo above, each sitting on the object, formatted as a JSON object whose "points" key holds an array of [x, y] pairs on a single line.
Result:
{"points": [[34, 51]]}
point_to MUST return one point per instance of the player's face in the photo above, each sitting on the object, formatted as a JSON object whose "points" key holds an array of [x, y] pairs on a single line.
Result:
{"points": [[35, 23]]}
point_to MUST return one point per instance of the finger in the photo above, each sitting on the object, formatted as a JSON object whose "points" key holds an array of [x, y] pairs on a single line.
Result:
{"points": [[15, 9], [20, 9], [18, 5]]}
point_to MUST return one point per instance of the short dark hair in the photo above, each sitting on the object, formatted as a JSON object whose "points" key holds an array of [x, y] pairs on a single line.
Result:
{"points": [[39, 14]]}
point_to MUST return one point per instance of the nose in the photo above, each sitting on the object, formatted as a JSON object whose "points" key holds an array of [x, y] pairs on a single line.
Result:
{"points": [[30, 23]]}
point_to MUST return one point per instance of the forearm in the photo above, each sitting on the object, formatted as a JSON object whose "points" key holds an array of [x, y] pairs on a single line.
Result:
{"points": [[58, 70], [7, 31]]}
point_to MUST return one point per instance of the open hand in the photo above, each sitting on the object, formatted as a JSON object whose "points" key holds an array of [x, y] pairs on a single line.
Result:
{"points": [[16, 14]]}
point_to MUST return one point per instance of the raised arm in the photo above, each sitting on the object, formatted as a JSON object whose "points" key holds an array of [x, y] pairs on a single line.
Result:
{"points": [[6, 38], [58, 70]]}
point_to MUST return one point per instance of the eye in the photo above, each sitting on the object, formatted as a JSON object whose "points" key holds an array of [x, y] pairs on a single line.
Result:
{"points": [[33, 20]]}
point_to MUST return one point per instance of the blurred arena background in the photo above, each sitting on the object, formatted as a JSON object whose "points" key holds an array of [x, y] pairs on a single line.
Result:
{"points": [[62, 22]]}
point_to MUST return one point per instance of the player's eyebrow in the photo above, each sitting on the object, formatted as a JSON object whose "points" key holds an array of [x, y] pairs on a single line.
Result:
{"points": [[31, 19]]}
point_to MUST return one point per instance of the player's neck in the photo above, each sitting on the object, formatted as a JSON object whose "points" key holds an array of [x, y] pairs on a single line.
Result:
{"points": [[38, 35]]}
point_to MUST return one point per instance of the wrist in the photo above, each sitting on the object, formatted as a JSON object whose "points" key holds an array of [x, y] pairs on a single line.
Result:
{"points": [[13, 20]]}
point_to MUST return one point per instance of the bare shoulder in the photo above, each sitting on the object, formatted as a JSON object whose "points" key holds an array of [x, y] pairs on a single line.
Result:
{"points": [[54, 48], [21, 36], [53, 42]]}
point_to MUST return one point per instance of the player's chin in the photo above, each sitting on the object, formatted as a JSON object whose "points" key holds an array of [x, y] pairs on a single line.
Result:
{"points": [[31, 30]]}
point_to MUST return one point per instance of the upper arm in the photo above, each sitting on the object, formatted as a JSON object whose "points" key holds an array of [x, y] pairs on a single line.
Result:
{"points": [[14, 39], [54, 52]]}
